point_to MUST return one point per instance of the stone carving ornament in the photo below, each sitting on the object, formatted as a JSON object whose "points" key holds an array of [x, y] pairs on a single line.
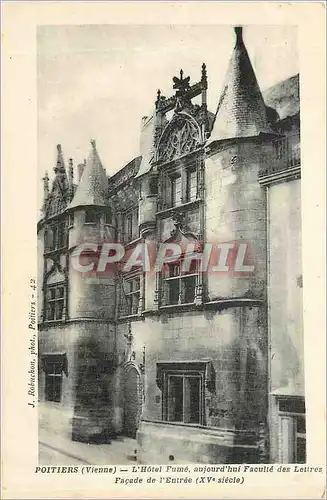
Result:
{"points": [[180, 137]]}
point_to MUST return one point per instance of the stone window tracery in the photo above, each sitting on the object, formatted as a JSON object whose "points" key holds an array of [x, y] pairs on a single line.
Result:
{"points": [[179, 138]]}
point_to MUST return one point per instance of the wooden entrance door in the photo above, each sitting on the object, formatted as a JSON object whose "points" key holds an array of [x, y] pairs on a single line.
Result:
{"points": [[132, 400]]}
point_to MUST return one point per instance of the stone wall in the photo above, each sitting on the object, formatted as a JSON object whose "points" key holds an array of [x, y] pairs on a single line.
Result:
{"points": [[285, 283], [178, 444], [88, 388], [90, 295], [235, 211], [286, 365], [233, 339]]}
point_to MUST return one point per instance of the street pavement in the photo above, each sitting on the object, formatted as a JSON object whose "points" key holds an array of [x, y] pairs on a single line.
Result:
{"points": [[51, 456], [60, 450], [57, 448]]}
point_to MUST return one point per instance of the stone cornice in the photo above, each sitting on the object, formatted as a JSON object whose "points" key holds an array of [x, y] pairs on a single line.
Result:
{"points": [[217, 305], [285, 175]]}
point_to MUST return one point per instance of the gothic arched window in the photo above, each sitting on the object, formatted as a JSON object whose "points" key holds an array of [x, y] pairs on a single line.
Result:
{"points": [[181, 136]]}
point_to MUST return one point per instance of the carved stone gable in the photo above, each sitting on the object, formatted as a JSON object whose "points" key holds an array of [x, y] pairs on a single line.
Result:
{"points": [[58, 199], [181, 136]]}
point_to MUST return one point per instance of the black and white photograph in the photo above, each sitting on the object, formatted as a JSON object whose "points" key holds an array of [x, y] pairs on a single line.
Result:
{"points": [[169, 245], [163, 250]]}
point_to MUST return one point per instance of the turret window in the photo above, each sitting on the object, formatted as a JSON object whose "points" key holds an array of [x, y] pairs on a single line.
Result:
{"points": [[91, 216], [108, 217], [54, 365], [55, 300], [56, 236], [71, 220], [153, 186]]}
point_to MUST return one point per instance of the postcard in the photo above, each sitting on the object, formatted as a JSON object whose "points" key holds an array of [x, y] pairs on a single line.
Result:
{"points": [[163, 250]]}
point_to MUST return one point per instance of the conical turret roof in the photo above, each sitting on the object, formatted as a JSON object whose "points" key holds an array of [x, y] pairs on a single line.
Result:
{"points": [[241, 110], [92, 187]]}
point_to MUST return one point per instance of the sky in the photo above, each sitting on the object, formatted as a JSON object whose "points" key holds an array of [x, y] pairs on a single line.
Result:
{"points": [[98, 81]]}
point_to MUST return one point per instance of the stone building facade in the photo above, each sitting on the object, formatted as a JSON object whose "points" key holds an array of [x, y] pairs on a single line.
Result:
{"points": [[198, 366]]}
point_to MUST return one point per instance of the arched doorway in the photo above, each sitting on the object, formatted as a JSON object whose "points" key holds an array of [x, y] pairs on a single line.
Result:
{"points": [[132, 399]]}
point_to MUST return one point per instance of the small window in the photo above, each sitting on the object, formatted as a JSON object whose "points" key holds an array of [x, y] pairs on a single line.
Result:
{"points": [[153, 186], [91, 216], [56, 236], [176, 191], [191, 185], [128, 227], [71, 220], [293, 430], [131, 227], [292, 405], [61, 235], [183, 397], [130, 296], [47, 240], [108, 217], [54, 365], [184, 385], [55, 298], [178, 286]]}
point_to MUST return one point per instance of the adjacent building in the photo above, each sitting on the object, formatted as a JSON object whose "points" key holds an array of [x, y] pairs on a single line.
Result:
{"points": [[198, 366]]}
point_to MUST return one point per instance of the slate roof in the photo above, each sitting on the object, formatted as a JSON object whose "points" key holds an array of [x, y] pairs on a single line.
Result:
{"points": [[91, 189], [284, 97], [148, 147], [241, 110]]}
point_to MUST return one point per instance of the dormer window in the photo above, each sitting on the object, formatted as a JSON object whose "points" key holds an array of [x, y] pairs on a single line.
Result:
{"points": [[191, 185], [91, 216], [176, 190], [180, 183]]}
